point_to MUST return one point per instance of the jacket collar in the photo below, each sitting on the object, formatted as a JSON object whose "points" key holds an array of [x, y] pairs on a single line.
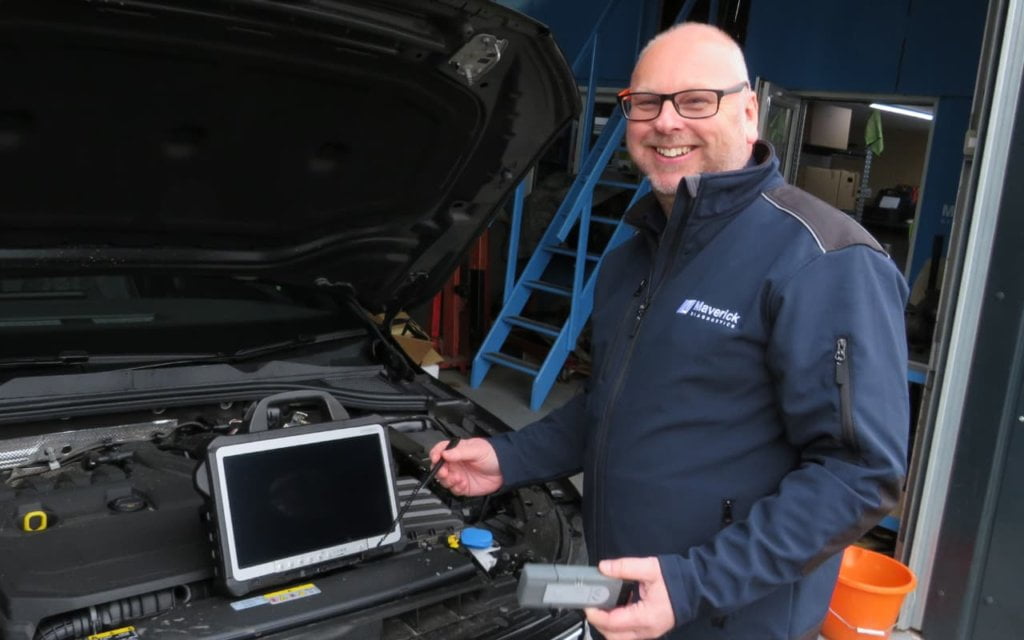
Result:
{"points": [[721, 194]]}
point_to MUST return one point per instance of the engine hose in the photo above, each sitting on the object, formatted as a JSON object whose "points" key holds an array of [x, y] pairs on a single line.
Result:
{"points": [[106, 616]]}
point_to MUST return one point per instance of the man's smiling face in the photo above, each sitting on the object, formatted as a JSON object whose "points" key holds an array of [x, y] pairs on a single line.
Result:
{"points": [[670, 147]]}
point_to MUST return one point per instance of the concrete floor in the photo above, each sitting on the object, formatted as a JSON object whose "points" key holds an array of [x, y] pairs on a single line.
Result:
{"points": [[506, 394]]}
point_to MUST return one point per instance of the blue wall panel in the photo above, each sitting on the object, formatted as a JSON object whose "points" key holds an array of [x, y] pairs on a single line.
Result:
{"points": [[943, 43], [827, 46], [942, 180], [628, 25], [873, 46]]}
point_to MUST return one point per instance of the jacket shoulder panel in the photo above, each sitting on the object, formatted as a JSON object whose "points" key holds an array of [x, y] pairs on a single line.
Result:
{"points": [[831, 228]]}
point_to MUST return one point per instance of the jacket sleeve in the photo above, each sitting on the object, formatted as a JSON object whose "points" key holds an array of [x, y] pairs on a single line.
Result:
{"points": [[554, 446], [549, 448], [837, 356]]}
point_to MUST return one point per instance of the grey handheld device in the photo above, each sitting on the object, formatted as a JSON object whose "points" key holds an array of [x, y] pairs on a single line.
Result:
{"points": [[561, 586]]}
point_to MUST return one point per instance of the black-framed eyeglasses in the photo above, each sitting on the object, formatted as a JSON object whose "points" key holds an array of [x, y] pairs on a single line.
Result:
{"points": [[695, 104]]}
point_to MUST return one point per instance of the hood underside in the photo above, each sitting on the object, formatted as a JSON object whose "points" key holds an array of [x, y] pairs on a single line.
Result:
{"points": [[365, 143]]}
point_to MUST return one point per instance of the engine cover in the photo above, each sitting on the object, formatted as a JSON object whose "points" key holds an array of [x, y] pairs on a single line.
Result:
{"points": [[110, 533]]}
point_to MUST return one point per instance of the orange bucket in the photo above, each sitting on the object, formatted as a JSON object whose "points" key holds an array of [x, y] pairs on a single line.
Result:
{"points": [[867, 597]]}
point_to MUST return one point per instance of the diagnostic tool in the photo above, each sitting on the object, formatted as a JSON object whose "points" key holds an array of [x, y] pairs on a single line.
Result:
{"points": [[561, 586], [288, 503]]}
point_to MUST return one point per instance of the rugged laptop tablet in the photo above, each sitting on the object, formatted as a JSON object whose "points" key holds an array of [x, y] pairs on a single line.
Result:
{"points": [[292, 502]]}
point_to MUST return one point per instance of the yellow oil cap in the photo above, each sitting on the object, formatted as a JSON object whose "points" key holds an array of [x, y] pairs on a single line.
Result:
{"points": [[34, 521]]}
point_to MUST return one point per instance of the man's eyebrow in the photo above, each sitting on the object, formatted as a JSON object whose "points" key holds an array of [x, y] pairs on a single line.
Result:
{"points": [[647, 90], [692, 87]]}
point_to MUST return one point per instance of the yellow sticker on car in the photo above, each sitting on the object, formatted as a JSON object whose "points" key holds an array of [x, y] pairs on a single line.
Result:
{"points": [[277, 597]]}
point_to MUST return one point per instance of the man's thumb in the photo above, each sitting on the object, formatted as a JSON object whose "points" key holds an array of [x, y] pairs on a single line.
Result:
{"points": [[642, 569], [464, 450]]}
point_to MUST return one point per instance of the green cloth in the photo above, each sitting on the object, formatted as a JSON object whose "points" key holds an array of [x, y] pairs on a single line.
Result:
{"points": [[873, 133]]}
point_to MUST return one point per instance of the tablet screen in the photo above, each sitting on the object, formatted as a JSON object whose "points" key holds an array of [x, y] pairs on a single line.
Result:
{"points": [[299, 500]]}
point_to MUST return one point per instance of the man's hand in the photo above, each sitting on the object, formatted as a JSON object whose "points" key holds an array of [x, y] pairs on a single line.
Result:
{"points": [[649, 617], [470, 469]]}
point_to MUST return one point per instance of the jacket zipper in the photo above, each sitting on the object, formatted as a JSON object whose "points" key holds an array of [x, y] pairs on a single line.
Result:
{"points": [[727, 505], [648, 284], [654, 280], [622, 326], [590, 496], [640, 288], [719, 621], [603, 427], [642, 307], [842, 359]]}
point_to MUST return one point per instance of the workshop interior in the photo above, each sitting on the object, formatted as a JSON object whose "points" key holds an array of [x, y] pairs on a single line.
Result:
{"points": [[240, 304]]}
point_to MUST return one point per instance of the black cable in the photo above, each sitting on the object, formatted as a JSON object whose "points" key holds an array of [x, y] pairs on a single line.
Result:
{"points": [[408, 502]]}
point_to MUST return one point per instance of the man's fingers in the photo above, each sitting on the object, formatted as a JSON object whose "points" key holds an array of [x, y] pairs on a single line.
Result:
{"points": [[459, 453], [618, 624], [452, 474], [438, 451], [639, 569], [435, 451], [649, 617], [471, 467], [464, 450]]}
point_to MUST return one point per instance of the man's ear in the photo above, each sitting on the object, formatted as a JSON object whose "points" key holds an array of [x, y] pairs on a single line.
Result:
{"points": [[750, 117]]}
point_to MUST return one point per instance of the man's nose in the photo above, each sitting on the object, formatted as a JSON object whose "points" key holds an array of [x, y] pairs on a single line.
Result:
{"points": [[668, 119]]}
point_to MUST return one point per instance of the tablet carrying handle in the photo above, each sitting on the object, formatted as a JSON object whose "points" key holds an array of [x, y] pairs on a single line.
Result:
{"points": [[259, 421]]}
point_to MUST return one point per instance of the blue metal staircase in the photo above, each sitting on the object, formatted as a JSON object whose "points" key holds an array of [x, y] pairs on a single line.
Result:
{"points": [[574, 213]]}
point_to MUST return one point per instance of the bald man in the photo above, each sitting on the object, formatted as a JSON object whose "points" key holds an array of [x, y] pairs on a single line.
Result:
{"points": [[747, 414]]}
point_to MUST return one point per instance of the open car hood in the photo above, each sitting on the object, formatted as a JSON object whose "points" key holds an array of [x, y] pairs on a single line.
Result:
{"points": [[352, 142]]}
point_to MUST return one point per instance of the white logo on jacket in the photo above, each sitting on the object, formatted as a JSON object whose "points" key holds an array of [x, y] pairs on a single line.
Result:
{"points": [[703, 311]]}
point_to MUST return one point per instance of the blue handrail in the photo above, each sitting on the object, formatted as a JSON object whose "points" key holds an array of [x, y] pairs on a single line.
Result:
{"points": [[573, 213]]}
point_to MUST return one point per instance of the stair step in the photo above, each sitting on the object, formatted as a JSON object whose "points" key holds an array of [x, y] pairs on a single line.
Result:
{"points": [[499, 358], [566, 251], [605, 220], [557, 289], [619, 183], [534, 325]]}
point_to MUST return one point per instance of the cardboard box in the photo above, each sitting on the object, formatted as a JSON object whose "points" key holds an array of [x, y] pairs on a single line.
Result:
{"points": [[846, 190], [421, 351], [829, 126], [835, 186], [823, 183], [408, 336]]}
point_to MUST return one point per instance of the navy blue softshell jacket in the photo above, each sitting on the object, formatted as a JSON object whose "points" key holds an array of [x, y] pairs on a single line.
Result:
{"points": [[747, 413]]}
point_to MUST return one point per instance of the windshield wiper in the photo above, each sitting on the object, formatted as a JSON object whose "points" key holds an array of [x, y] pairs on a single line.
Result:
{"points": [[154, 361], [254, 353], [63, 358], [77, 358]]}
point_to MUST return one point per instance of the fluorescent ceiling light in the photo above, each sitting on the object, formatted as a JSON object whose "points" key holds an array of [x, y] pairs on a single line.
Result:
{"points": [[903, 111]]}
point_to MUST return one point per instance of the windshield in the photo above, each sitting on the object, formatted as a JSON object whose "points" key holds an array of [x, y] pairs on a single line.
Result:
{"points": [[64, 318]]}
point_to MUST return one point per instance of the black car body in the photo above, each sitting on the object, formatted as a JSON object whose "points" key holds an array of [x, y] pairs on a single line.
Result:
{"points": [[203, 203]]}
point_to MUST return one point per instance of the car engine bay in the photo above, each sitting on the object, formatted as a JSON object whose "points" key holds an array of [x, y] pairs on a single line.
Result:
{"points": [[101, 527]]}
